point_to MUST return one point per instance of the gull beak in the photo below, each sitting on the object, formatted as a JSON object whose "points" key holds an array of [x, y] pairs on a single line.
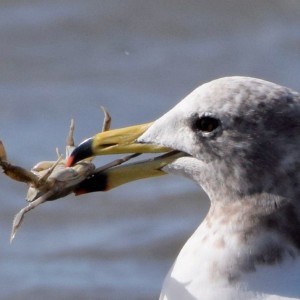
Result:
{"points": [[120, 141], [116, 141]]}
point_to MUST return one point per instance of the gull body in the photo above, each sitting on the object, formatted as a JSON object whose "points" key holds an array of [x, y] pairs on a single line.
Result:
{"points": [[239, 139]]}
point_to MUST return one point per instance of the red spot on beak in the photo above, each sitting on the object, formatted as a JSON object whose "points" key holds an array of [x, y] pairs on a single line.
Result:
{"points": [[80, 192], [70, 161]]}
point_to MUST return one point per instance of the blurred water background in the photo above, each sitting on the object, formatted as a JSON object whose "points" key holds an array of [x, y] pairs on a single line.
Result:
{"points": [[61, 59]]}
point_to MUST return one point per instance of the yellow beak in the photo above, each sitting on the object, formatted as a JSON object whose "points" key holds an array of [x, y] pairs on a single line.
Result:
{"points": [[120, 141], [123, 140]]}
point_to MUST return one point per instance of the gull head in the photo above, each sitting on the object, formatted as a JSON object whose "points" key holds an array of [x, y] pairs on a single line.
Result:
{"points": [[242, 135]]}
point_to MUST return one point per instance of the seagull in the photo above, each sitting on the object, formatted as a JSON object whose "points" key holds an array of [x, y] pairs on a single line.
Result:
{"points": [[239, 139]]}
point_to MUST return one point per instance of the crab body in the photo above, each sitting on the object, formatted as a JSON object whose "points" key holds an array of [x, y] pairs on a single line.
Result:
{"points": [[49, 180], [62, 181]]}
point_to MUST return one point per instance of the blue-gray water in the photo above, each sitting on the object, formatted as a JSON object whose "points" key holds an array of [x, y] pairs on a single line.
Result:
{"points": [[61, 59]]}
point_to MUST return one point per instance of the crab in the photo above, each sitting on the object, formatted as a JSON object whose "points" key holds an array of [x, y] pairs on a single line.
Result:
{"points": [[51, 180]]}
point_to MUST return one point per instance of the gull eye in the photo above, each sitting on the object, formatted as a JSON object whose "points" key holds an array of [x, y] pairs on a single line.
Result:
{"points": [[206, 124]]}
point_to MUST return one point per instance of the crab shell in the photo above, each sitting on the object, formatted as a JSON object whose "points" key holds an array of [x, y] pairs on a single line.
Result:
{"points": [[62, 180]]}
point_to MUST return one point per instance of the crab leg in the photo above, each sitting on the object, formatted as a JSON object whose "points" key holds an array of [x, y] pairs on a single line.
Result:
{"points": [[18, 219], [44, 178], [3, 155], [15, 172], [116, 162], [70, 138], [107, 119], [19, 173]]}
